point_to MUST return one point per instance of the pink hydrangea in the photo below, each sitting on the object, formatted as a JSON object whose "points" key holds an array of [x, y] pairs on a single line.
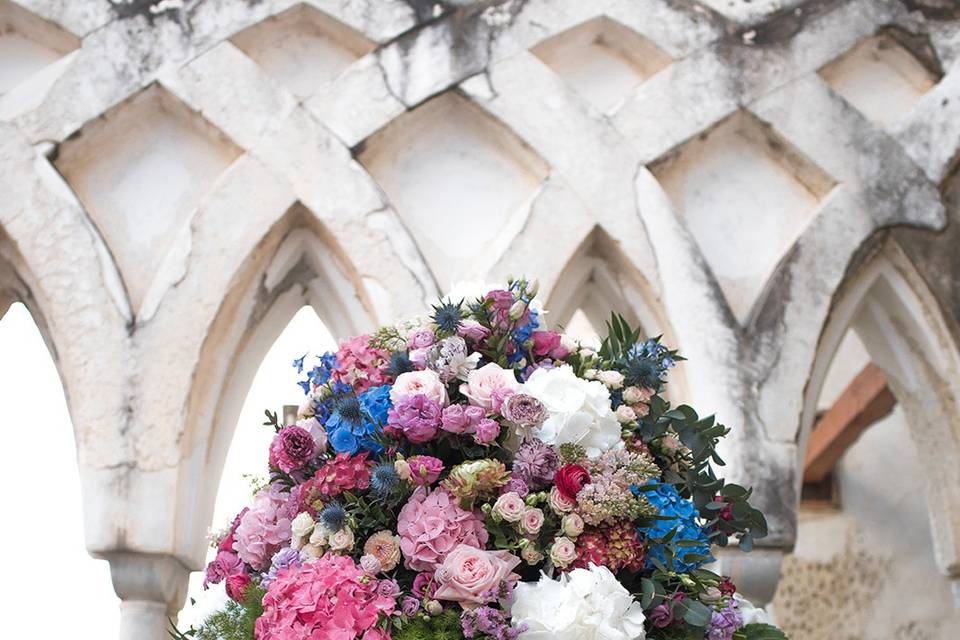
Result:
{"points": [[264, 528], [329, 599], [431, 525], [360, 365]]}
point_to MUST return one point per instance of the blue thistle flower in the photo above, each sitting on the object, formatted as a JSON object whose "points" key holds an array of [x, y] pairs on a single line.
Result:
{"points": [[383, 479], [333, 517], [399, 363], [447, 316]]}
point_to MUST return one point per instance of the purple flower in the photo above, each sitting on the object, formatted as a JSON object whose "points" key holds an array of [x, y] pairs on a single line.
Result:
{"points": [[516, 484], [724, 623], [388, 588], [410, 606], [661, 616], [292, 448], [524, 410], [424, 586], [535, 463], [417, 416], [283, 559]]}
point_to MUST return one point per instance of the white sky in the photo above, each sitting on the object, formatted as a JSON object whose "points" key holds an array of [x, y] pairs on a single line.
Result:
{"points": [[42, 501]]}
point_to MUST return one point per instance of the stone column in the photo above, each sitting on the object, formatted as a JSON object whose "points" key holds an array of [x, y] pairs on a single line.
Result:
{"points": [[151, 588]]}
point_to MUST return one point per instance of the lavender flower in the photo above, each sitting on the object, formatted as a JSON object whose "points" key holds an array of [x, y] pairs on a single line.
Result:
{"points": [[724, 623], [283, 559], [535, 463]]}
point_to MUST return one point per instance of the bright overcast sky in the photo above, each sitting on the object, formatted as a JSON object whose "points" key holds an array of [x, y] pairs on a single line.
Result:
{"points": [[43, 499]]}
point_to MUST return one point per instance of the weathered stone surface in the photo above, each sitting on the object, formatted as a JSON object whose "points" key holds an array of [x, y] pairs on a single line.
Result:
{"points": [[328, 189]]}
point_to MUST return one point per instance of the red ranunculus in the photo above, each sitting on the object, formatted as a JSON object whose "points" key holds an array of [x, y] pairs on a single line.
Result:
{"points": [[569, 479]]}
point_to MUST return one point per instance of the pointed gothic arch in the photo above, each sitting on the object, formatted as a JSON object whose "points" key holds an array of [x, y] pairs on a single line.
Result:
{"points": [[899, 322], [296, 264]]}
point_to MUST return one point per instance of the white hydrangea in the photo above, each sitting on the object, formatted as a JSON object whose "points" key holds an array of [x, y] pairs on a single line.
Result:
{"points": [[584, 604], [579, 410]]}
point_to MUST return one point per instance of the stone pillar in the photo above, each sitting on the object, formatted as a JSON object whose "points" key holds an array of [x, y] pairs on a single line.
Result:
{"points": [[151, 588], [756, 574]]}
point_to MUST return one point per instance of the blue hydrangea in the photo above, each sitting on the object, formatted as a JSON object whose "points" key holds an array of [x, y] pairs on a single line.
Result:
{"points": [[683, 514], [355, 421]]}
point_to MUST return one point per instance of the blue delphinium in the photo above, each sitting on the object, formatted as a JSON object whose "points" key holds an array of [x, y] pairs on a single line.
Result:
{"points": [[355, 421], [319, 374], [520, 335], [683, 516]]}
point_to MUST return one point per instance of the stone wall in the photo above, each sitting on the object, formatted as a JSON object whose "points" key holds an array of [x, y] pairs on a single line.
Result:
{"points": [[751, 179]]}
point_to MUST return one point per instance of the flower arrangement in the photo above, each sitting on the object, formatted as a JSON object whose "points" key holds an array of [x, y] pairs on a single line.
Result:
{"points": [[475, 475]]}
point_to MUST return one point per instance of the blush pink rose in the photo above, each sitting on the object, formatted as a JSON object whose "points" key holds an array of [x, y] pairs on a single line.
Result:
{"points": [[472, 330], [460, 419], [483, 382], [412, 383], [469, 572], [487, 431]]}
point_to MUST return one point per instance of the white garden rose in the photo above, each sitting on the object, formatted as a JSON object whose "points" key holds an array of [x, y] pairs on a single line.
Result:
{"points": [[584, 604], [579, 410], [301, 527], [750, 613]]}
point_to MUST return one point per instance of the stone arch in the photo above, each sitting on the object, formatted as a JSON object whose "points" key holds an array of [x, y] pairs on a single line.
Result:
{"points": [[898, 320], [297, 263], [597, 279]]}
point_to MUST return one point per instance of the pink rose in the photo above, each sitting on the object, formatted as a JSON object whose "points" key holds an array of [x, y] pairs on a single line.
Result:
{"points": [[472, 330], [237, 586], [222, 567], [413, 383], [509, 506], [455, 420], [482, 382], [421, 339], [487, 431], [548, 343], [424, 470], [471, 572], [531, 521], [499, 397]]}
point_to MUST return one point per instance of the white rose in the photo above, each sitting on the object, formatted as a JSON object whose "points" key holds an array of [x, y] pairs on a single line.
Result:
{"points": [[626, 414], [579, 410], [613, 379], [300, 528], [563, 552], [750, 613], [584, 603], [425, 382], [319, 536], [310, 552], [342, 540]]}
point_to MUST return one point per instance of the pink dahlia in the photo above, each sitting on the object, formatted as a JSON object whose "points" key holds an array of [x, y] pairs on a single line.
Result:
{"points": [[361, 365], [431, 525], [328, 599], [264, 528]]}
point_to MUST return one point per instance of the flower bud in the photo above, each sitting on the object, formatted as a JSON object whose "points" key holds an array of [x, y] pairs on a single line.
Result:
{"points": [[434, 608], [533, 287], [518, 309]]}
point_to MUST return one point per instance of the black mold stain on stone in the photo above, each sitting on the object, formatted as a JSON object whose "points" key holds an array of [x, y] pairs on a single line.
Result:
{"points": [[781, 26], [935, 9]]}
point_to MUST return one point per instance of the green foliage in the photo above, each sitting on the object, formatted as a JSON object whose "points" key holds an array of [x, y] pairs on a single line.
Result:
{"points": [[759, 632], [235, 622], [446, 626]]}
